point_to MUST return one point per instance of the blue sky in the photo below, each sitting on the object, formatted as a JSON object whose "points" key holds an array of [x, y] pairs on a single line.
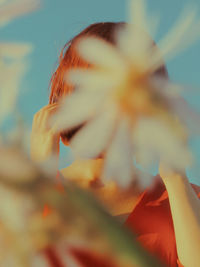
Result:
{"points": [[59, 20]]}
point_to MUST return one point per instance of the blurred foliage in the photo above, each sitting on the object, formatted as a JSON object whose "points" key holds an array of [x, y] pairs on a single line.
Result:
{"points": [[75, 214]]}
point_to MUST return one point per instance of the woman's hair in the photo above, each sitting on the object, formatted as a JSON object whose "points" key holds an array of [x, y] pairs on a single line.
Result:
{"points": [[69, 58]]}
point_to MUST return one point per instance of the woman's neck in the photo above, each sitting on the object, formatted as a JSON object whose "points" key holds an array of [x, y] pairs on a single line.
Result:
{"points": [[87, 173], [84, 171]]}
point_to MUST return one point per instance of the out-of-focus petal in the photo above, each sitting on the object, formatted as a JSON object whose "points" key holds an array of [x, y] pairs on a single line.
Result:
{"points": [[177, 39], [118, 161], [12, 9], [100, 53], [166, 88], [93, 80], [134, 46], [90, 141], [15, 50], [138, 14], [14, 209], [39, 261], [188, 115], [144, 178], [64, 253], [155, 140], [133, 39], [15, 166], [178, 105], [10, 79], [139, 17], [76, 109]]}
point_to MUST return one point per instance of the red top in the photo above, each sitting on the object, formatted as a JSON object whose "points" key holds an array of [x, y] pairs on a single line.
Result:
{"points": [[151, 220]]}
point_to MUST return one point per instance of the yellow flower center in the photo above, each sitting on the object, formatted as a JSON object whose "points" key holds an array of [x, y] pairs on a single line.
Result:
{"points": [[133, 94]]}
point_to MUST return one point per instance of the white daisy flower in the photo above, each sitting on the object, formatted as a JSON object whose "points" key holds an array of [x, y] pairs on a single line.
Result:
{"points": [[121, 90]]}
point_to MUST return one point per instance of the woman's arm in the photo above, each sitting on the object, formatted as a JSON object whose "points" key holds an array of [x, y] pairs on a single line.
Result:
{"points": [[185, 210]]}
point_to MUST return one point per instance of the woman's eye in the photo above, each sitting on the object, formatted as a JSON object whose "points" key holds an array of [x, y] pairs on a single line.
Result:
{"points": [[70, 133]]}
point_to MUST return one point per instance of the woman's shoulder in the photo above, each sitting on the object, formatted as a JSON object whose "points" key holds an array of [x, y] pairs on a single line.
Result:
{"points": [[157, 192]]}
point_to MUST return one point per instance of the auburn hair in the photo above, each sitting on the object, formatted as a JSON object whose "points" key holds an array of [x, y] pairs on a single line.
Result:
{"points": [[69, 58]]}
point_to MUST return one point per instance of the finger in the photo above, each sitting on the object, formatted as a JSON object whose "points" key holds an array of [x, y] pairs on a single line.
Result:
{"points": [[47, 107], [51, 105], [41, 118], [42, 115]]}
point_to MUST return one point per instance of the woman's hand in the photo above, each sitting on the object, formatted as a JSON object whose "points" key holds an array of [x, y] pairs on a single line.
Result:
{"points": [[44, 139], [185, 209]]}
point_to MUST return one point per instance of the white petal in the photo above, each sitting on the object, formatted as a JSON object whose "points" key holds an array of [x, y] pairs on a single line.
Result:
{"points": [[100, 53], [15, 50], [187, 114], [15, 209], [178, 39], [95, 80], [135, 44], [93, 138], [39, 260], [2, 2], [76, 109], [9, 10], [178, 105], [118, 161], [22, 170], [138, 16], [168, 89], [133, 39], [137, 9], [145, 179], [10, 79], [155, 140]]}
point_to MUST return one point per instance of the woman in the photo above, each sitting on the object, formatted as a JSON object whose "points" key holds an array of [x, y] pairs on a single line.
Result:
{"points": [[166, 216]]}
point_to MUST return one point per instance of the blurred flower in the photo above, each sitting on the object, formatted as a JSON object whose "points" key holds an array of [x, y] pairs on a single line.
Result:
{"points": [[10, 78], [12, 57], [154, 141], [15, 166], [15, 50], [77, 225], [123, 89], [11, 9], [25, 188], [16, 170]]}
